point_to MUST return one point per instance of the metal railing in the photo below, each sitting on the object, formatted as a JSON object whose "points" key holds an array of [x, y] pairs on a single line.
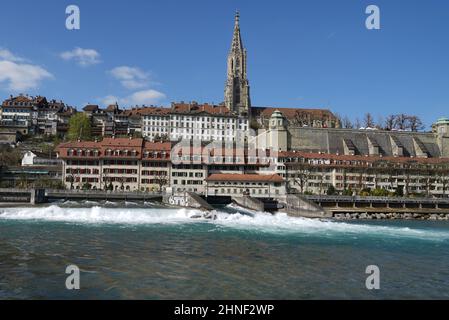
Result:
{"points": [[326, 198], [102, 192]]}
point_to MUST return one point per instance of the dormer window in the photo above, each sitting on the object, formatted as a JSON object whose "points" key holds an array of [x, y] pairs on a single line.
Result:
{"points": [[79, 152]]}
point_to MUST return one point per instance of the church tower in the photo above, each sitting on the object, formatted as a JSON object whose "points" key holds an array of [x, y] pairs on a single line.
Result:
{"points": [[237, 96]]}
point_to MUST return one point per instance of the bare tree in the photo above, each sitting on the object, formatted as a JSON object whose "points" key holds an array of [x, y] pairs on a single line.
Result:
{"points": [[401, 121], [302, 172], [390, 122], [415, 123], [368, 120], [160, 178], [301, 118], [346, 123], [357, 123]]}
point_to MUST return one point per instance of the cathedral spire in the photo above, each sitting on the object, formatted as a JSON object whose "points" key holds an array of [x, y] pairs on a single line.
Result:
{"points": [[237, 39], [237, 97]]}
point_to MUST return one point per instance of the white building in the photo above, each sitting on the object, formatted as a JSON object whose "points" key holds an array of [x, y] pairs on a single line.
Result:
{"points": [[193, 122]]}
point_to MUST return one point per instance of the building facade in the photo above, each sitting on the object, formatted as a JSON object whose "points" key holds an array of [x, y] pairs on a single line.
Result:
{"points": [[35, 115], [116, 164]]}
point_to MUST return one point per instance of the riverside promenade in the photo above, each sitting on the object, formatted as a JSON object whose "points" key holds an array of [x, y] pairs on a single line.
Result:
{"points": [[100, 195], [36, 196], [356, 207]]}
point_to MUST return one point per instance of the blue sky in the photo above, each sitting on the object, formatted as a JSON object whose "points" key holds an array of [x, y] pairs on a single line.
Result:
{"points": [[315, 54]]}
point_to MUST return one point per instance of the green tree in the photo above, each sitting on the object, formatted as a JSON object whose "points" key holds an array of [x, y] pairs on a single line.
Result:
{"points": [[399, 192], [331, 191], [10, 156], [86, 186], [79, 127], [379, 192]]}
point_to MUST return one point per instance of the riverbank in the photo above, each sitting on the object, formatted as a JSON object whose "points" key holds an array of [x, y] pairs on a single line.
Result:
{"points": [[13, 204], [376, 215]]}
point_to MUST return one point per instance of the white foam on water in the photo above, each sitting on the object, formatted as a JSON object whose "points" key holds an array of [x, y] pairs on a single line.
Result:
{"points": [[90, 203], [260, 222], [97, 215]]}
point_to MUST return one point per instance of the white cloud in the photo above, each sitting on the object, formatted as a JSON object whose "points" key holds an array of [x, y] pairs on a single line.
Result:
{"points": [[20, 76], [5, 54], [131, 78], [144, 97], [108, 100], [84, 57]]}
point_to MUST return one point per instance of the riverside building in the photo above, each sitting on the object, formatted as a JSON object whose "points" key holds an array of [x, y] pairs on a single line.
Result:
{"points": [[116, 164]]}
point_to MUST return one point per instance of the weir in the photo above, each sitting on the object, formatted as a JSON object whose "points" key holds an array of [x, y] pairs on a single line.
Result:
{"points": [[32, 196], [187, 199], [296, 205], [251, 203]]}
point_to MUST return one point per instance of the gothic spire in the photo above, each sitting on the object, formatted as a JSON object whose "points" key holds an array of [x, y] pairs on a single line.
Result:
{"points": [[237, 96], [237, 45]]}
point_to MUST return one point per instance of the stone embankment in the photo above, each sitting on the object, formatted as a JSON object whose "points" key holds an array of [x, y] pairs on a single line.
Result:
{"points": [[391, 216]]}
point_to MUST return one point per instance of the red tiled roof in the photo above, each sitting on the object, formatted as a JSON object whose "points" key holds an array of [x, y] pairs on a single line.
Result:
{"points": [[90, 107], [122, 142], [157, 146], [112, 107], [147, 111], [245, 177], [290, 113], [199, 108]]}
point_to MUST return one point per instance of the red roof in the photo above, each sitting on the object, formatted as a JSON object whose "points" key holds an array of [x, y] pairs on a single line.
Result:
{"points": [[91, 107], [147, 111], [290, 113], [138, 145], [157, 146], [122, 142], [194, 108]]}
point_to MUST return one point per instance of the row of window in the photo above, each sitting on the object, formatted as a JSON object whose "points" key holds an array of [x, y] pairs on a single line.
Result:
{"points": [[188, 182], [187, 174], [241, 191]]}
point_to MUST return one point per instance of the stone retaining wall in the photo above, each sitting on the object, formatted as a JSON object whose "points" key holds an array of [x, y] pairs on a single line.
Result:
{"points": [[391, 216]]}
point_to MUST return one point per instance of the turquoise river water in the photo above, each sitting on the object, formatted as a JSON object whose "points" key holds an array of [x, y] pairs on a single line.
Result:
{"points": [[144, 251]]}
